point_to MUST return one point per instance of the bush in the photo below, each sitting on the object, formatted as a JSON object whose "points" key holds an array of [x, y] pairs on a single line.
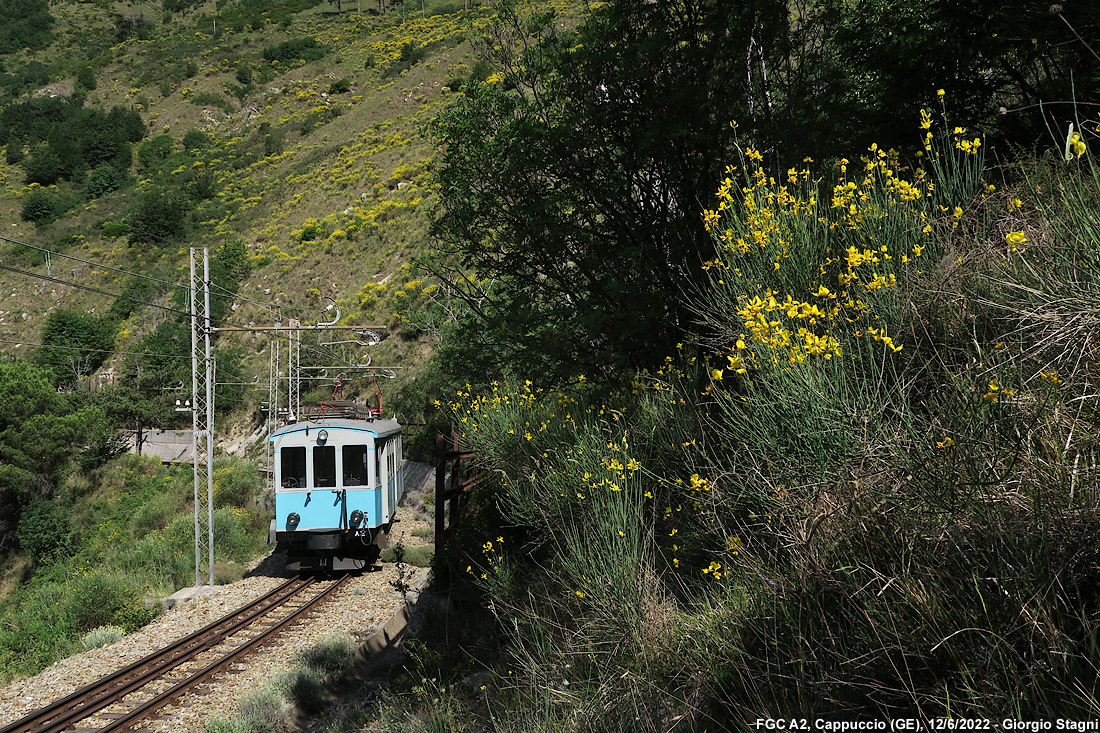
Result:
{"points": [[418, 555], [128, 121], [42, 206], [210, 99], [44, 531], [104, 179], [42, 166], [219, 724], [411, 54], [114, 229], [36, 632], [134, 614], [154, 151], [236, 482], [330, 657], [231, 535], [290, 53], [101, 636], [136, 290], [13, 151], [340, 86], [160, 216], [86, 77], [302, 686], [154, 514], [97, 598], [195, 139], [262, 710]]}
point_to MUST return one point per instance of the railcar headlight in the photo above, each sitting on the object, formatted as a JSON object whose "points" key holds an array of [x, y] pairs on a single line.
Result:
{"points": [[355, 519], [292, 520], [322, 436]]}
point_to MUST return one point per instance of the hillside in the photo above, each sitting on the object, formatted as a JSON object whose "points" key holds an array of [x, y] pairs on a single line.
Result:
{"points": [[318, 167]]}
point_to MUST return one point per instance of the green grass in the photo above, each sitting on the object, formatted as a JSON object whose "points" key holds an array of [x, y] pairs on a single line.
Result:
{"points": [[418, 555]]}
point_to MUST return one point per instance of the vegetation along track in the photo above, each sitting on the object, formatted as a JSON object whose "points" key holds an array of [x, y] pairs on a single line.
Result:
{"points": [[120, 701]]}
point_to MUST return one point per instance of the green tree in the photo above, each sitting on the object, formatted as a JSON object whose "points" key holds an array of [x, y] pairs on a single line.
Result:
{"points": [[155, 151], [572, 180], [13, 152], [103, 179], [44, 530], [42, 432], [86, 77], [570, 190], [1014, 69], [128, 120], [158, 217], [24, 24], [138, 404], [102, 140], [75, 344], [42, 206], [43, 166]]}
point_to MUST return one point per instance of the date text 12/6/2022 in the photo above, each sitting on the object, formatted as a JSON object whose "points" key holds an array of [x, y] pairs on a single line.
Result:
{"points": [[917, 724]]}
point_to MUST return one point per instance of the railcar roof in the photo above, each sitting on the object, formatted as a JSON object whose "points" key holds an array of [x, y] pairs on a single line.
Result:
{"points": [[380, 427]]}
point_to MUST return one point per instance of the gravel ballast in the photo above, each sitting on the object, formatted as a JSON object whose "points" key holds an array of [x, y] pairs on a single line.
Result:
{"points": [[363, 605]]}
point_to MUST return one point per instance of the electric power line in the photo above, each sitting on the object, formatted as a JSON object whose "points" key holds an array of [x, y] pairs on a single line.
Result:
{"points": [[93, 290], [100, 291], [100, 351], [227, 294], [51, 253]]}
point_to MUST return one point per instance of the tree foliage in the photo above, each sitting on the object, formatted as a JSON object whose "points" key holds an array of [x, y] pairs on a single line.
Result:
{"points": [[159, 216], [572, 180], [67, 138], [41, 432], [572, 185], [1014, 69], [42, 205], [44, 530], [75, 343], [24, 24], [290, 53]]}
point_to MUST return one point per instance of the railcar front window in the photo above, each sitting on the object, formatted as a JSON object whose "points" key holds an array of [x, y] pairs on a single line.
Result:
{"points": [[324, 466], [355, 465], [293, 467]]}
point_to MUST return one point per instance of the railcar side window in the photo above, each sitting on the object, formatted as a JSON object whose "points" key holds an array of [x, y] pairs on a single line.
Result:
{"points": [[293, 467], [324, 466], [355, 465]]}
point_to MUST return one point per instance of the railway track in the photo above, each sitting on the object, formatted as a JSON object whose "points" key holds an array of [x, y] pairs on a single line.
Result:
{"points": [[136, 693]]}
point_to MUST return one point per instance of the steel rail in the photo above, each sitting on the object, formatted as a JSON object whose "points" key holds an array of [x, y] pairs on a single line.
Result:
{"points": [[146, 709], [93, 697]]}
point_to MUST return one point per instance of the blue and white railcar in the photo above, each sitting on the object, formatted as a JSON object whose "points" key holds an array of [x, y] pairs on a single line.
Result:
{"points": [[338, 482]]}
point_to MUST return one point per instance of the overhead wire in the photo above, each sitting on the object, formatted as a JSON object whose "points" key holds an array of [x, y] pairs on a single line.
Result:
{"points": [[89, 288], [329, 353], [227, 294], [52, 253], [100, 291], [99, 351]]}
